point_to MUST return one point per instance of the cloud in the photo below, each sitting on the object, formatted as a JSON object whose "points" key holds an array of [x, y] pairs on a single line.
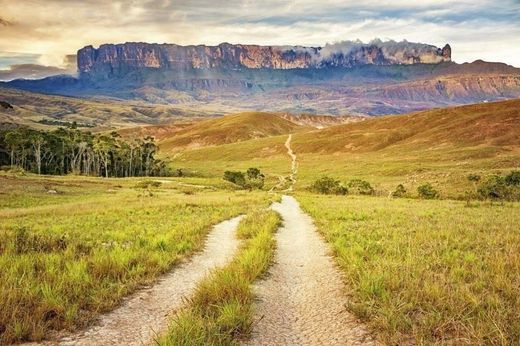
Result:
{"points": [[51, 29]]}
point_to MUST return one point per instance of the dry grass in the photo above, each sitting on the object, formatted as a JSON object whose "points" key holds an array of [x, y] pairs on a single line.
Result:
{"points": [[229, 129], [221, 310], [79, 254], [438, 146], [436, 272]]}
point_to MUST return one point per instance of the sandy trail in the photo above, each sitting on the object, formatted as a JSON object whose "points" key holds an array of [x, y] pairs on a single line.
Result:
{"points": [[294, 169], [294, 164], [302, 301], [146, 313]]}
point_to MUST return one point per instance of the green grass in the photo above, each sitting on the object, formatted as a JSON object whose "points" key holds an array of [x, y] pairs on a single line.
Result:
{"points": [[79, 252], [221, 310], [437, 272], [440, 146]]}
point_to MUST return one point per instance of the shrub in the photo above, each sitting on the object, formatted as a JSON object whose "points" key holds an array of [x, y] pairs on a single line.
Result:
{"points": [[252, 179], [235, 177], [399, 191], [329, 186], [361, 187], [513, 178], [255, 179], [427, 191], [474, 178], [494, 187]]}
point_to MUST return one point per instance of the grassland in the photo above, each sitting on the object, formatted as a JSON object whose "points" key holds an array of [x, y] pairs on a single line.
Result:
{"points": [[76, 252], [435, 272], [439, 146], [221, 310], [230, 129], [51, 111]]}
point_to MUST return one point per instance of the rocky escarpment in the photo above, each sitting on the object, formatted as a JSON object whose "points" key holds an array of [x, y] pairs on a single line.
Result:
{"points": [[111, 60]]}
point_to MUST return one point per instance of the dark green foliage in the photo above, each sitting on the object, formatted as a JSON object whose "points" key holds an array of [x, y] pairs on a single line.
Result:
{"points": [[400, 191], [69, 150], [513, 178], [329, 186], [500, 188], [360, 187], [255, 179], [252, 179], [427, 191], [474, 178], [235, 177]]}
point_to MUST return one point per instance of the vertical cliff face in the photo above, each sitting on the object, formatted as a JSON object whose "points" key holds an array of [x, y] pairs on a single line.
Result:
{"points": [[116, 60]]}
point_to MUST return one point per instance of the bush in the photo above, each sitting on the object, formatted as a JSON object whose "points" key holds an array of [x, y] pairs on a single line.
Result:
{"points": [[494, 187], [235, 177], [255, 179], [400, 191], [329, 186], [513, 178], [360, 187], [252, 179], [427, 191], [475, 178]]}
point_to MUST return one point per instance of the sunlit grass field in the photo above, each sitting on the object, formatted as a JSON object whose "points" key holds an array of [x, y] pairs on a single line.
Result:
{"points": [[73, 247], [221, 310], [436, 272]]}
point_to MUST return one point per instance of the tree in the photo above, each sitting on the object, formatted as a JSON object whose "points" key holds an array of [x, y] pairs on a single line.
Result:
{"points": [[13, 141], [361, 187], [37, 141], [329, 186], [399, 191], [427, 191]]}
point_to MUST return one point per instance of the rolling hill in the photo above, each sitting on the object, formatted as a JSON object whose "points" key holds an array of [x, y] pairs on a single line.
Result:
{"points": [[49, 111], [229, 129], [485, 124], [441, 146]]}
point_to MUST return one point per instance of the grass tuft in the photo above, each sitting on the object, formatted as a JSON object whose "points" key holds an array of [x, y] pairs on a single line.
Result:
{"points": [[221, 309]]}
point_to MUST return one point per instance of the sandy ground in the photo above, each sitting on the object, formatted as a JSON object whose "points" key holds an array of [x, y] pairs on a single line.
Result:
{"points": [[302, 301], [146, 313]]}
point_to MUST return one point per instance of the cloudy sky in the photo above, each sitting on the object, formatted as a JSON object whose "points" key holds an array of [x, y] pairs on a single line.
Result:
{"points": [[38, 37]]}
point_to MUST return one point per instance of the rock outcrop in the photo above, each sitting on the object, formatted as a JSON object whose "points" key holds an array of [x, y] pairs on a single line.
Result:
{"points": [[111, 60]]}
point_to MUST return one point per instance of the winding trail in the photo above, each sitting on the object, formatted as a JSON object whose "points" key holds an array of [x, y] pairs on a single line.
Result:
{"points": [[294, 164], [146, 313], [302, 301], [294, 170]]}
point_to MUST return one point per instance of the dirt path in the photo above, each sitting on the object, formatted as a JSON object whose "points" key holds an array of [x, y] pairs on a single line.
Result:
{"points": [[145, 314], [302, 301], [294, 164], [294, 169]]}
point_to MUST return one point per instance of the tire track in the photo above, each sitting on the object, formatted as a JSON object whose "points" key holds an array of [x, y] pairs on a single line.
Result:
{"points": [[146, 313], [302, 301]]}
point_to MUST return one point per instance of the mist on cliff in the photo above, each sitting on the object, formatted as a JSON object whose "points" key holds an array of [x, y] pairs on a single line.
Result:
{"points": [[389, 48]]}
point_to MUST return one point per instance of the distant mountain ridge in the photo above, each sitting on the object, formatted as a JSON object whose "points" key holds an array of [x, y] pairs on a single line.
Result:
{"points": [[349, 78], [117, 60]]}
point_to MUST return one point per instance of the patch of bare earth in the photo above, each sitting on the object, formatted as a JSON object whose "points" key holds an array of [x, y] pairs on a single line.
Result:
{"points": [[303, 300], [146, 313]]}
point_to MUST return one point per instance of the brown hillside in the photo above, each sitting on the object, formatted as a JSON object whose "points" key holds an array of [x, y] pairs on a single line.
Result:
{"points": [[230, 129], [492, 124]]}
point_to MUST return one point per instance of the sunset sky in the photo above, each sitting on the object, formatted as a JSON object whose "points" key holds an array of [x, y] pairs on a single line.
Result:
{"points": [[40, 37]]}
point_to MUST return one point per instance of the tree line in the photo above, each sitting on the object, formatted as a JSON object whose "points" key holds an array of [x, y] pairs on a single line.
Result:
{"points": [[69, 150]]}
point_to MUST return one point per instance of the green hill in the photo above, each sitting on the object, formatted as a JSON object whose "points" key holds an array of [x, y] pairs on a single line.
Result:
{"points": [[441, 146]]}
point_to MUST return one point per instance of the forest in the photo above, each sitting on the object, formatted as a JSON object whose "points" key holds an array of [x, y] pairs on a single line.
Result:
{"points": [[70, 150]]}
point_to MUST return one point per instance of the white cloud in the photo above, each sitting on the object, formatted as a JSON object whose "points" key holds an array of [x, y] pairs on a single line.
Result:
{"points": [[476, 29]]}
